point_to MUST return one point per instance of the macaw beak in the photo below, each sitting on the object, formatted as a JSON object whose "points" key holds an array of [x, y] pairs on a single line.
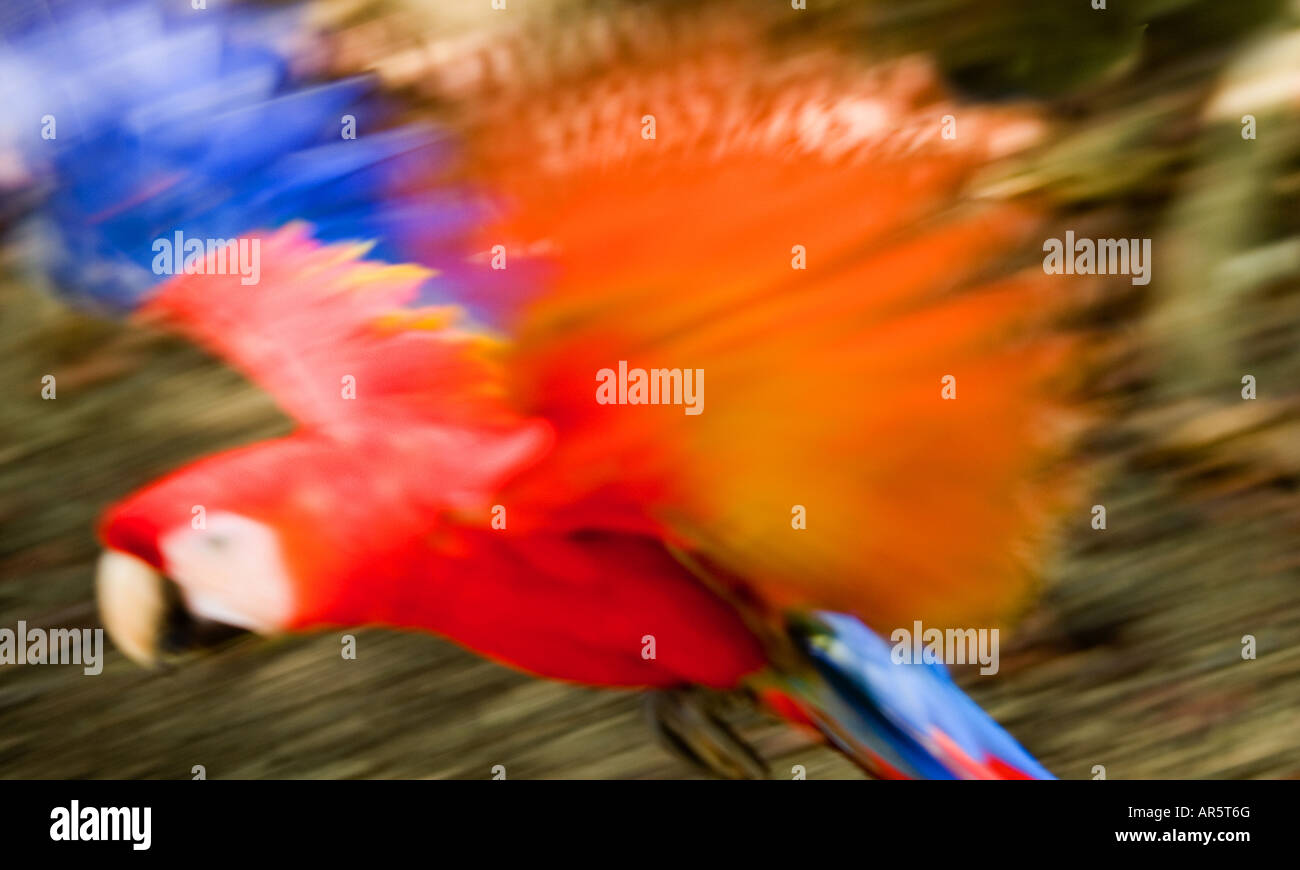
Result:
{"points": [[145, 614]]}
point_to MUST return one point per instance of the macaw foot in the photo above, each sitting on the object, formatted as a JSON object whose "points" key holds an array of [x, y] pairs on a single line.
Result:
{"points": [[687, 723]]}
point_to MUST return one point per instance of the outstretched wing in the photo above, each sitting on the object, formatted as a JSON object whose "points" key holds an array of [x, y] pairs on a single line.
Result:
{"points": [[334, 340], [797, 234]]}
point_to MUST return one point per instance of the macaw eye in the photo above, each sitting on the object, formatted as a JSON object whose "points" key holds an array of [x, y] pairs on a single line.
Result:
{"points": [[231, 572]]}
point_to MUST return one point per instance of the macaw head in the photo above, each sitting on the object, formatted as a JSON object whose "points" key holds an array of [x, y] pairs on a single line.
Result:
{"points": [[247, 539], [291, 535]]}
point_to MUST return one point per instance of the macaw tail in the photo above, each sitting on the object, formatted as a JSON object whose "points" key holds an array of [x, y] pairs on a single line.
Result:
{"points": [[898, 721]]}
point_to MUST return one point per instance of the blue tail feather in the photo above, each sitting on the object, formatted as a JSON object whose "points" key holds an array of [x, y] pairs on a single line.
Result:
{"points": [[911, 716]]}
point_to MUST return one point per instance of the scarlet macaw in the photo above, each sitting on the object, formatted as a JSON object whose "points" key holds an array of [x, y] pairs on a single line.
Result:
{"points": [[797, 233]]}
